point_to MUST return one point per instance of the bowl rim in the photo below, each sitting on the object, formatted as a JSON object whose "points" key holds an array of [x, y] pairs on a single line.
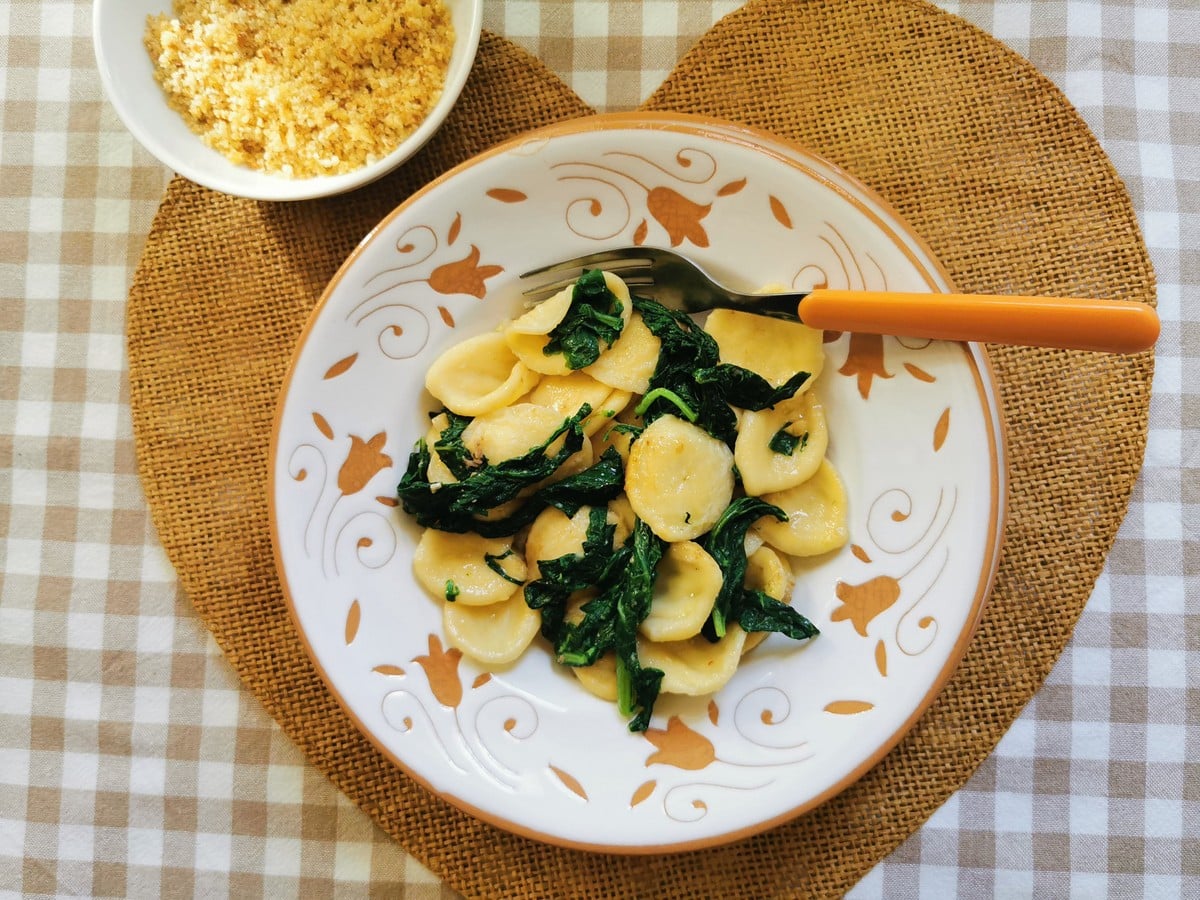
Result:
{"points": [[255, 185]]}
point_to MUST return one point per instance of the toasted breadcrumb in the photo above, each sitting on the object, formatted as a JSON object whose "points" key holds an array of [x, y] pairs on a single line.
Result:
{"points": [[306, 87]]}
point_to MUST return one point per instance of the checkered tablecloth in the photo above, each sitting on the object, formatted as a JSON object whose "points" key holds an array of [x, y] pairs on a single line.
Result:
{"points": [[133, 764]]}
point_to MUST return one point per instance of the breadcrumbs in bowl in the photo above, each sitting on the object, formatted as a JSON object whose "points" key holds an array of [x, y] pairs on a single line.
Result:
{"points": [[302, 88]]}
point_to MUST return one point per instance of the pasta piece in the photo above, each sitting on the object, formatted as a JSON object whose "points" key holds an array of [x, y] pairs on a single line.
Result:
{"points": [[528, 349], [479, 375], [630, 361], [773, 348], [600, 678], [679, 479], [553, 535], [610, 436], [512, 431], [529, 346], [764, 469], [695, 666], [816, 513], [686, 584], [445, 563], [493, 634], [620, 513], [542, 318], [768, 572], [565, 394], [437, 472]]}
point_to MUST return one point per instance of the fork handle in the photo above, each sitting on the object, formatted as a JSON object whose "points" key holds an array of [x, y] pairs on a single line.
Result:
{"points": [[1109, 326]]}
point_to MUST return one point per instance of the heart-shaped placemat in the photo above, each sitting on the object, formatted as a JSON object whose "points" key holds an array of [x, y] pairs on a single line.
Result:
{"points": [[978, 151]]}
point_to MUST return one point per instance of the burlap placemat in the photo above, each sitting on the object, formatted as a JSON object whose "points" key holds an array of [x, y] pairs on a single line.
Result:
{"points": [[987, 160]]}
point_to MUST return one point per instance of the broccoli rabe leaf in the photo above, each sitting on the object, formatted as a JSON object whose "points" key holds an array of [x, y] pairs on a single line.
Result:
{"points": [[593, 319], [450, 447], [757, 611], [726, 543], [454, 506], [747, 389], [691, 382], [610, 620], [562, 576], [785, 443]]}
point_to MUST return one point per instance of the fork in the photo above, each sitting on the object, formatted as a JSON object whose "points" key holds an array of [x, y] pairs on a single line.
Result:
{"points": [[1109, 326]]}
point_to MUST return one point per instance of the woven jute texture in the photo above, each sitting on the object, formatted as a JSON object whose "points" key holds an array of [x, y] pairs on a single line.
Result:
{"points": [[980, 153]]}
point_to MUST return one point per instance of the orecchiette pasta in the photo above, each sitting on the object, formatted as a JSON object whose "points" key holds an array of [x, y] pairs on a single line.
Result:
{"points": [[697, 665], [497, 633], [479, 375], [816, 515], [773, 348], [679, 479], [592, 479], [455, 567], [782, 446], [529, 335], [687, 583]]}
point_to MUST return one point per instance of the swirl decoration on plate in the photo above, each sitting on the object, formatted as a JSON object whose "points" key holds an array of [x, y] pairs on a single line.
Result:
{"points": [[367, 538], [419, 246], [476, 727], [679, 215], [895, 533], [301, 463], [760, 718], [374, 540]]}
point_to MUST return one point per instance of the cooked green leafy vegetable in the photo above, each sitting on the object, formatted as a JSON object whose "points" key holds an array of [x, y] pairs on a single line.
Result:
{"points": [[593, 318], [450, 447], [455, 506], [747, 389], [492, 561], [785, 443], [758, 611], [562, 576], [610, 621], [691, 382], [726, 543]]}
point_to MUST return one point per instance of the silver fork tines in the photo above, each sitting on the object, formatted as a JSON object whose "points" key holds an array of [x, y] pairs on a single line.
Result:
{"points": [[671, 279], [635, 269]]}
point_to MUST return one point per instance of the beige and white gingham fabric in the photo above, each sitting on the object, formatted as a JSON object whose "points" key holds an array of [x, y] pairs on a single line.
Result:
{"points": [[133, 764]]}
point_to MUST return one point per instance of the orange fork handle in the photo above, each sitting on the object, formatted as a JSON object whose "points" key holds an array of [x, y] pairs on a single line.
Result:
{"points": [[1109, 326]]}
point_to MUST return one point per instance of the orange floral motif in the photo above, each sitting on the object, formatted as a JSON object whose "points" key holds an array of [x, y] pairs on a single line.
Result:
{"points": [[353, 620], [848, 707], [464, 276], [865, 360], [941, 430], [863, 602], [679, 746], [364, 460], [570, 782], [441, 670], [678, 215], [341, 366], [643, 791]]}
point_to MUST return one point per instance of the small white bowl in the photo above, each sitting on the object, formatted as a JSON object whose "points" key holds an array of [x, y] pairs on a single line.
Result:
{"points": [[127, 74]]}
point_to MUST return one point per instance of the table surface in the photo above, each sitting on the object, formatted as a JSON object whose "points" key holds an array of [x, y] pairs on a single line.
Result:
{"points": [[133, 764]]}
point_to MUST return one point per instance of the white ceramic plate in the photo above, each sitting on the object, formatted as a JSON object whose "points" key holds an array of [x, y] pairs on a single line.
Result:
{"points": [[127, 74], [914, 429]]}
